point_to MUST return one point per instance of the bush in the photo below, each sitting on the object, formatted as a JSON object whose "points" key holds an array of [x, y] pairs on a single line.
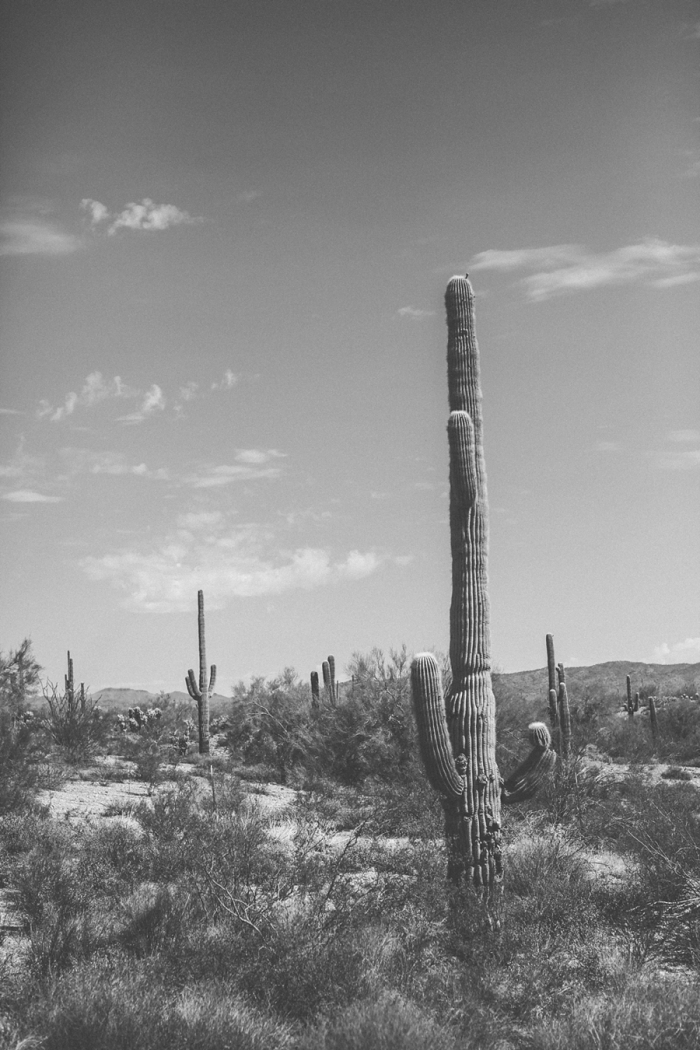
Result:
{"points": [[74, 722]]}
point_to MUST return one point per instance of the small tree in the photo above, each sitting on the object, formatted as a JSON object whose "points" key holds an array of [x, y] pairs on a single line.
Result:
{"points": [[19, 678]]}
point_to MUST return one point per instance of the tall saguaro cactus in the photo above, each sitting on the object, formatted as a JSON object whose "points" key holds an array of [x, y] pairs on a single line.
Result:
{"points": [[200, 692], [457, 735]]}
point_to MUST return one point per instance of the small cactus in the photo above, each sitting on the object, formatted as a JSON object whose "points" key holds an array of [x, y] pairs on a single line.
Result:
{"points": [[201, 692]]}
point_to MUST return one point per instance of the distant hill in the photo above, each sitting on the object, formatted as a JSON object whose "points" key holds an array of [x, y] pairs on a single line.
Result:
{"points": [[599, 679], [603, 680], [115, 699]]}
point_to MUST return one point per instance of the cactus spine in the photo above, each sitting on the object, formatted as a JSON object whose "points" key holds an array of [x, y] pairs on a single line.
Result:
{"points": [[201, 692], [458, 735]]}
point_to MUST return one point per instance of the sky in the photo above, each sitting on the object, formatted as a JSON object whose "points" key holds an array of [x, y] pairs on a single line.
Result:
{"points": [[226, 228]]}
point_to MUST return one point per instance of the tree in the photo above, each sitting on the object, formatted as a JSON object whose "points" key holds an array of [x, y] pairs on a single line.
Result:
{"points": [[19, 678]]}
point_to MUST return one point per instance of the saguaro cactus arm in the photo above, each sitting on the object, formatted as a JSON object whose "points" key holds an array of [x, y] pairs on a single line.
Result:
{"points": [[433, 736]]}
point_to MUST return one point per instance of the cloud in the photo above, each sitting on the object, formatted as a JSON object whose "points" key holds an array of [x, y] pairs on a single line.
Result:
{"points": [[228, 474], [85, 461], [685, 652], [681, 436], [98, 212], [570, 267], [414, 313], [35, 237], [226, 562], [228, 382], [30, 496], [10, 412], [679, 458], [258, 455], [144, 216], [684, 459], [94, 390], [153, 401], [607, 446]]}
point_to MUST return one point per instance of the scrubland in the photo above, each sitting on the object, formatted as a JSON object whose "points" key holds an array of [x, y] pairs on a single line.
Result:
{"points": [[195, 914]]}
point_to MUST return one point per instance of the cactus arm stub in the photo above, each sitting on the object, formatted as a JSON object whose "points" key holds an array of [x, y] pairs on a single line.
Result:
{"points": [[526, 780]]}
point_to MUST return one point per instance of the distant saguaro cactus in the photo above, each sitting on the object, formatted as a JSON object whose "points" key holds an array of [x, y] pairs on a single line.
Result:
{"points": [[457, 735], [315, 692], [331, 686], [653, 717], [200, 692], [630, 702], [564, 714]]}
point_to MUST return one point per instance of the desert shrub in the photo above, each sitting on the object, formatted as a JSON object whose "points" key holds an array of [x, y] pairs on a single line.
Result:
{"points": [[74, 722], [677, 773], [19, 772], [19, 679], [647, 1011], [270, 723], [122, 1004], [385, 1022]]}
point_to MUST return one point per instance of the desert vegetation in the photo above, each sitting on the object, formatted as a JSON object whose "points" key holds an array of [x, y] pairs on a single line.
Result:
{"points": [[344, 868]]}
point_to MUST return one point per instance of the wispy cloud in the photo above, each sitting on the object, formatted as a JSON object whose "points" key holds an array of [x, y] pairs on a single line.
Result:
{"points": [[570, 267], [228, 562], [414, 313], [145, 215], [85, 461], [228, 381], [97, 389], [607, 446], [214, 477], [94, 390], [30, 496], [685, 652], [153, 401], [35, 237], [684, 453]]}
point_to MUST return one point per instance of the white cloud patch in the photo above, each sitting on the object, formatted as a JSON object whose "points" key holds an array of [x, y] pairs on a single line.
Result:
{"points": [[84, 461], [226, 562], [258, 455], [25, 236], [145, 215], [30, 496], [227, 383], [212, 477], [94, 390], [414, 313], [685, 652], [571, 267], [679, 456]]}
